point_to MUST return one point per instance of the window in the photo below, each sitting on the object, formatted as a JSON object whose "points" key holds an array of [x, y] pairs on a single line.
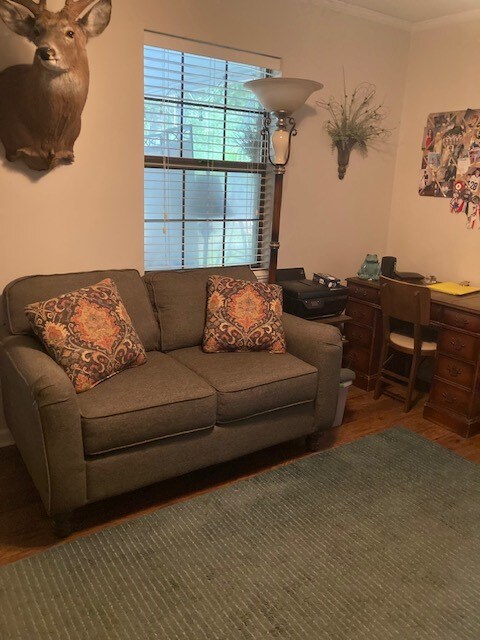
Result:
{"points": [[207, 184]]}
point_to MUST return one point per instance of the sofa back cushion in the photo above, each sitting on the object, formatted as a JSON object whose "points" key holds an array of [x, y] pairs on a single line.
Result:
{"points": [[19, 293], [180, 301]]}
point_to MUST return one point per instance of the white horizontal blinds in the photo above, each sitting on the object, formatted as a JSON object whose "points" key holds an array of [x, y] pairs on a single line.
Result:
{"points": [[208, 198]]}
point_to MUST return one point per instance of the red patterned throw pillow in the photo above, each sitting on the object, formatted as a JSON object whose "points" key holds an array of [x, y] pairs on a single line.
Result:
{"points": [[243, 316], [88, 332]]}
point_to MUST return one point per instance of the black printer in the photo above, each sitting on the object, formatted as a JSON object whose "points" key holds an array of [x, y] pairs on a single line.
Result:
{"points": [[309, 299]]}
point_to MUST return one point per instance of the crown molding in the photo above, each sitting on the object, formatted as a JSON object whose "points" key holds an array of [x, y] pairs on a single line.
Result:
{"points": [[343, 6], [456, 18], [367, 14]]}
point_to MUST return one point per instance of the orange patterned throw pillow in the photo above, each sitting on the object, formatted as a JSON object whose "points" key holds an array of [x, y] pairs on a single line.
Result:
{"points": [[88, 332], [243, 316]]}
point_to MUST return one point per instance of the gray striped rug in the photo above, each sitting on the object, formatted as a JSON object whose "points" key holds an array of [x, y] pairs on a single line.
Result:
{"points": [[375, 540]]}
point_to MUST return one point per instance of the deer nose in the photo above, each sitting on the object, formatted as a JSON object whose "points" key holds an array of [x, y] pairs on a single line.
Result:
{"points": [[46, 53]]}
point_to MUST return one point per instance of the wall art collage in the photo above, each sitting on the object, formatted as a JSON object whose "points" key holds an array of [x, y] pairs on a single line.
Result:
{"points": [[451, 162]]}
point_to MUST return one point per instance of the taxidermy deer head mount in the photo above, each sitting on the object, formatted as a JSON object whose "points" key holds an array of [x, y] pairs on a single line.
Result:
{"points": [[41, 104]]}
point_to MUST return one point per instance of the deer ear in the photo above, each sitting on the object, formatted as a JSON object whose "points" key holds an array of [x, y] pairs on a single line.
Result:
{"points": [[97, 19], [17, 18]]}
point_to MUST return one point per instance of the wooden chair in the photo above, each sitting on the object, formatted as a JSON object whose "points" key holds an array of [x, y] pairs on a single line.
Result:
{"points": [[411, 304]]}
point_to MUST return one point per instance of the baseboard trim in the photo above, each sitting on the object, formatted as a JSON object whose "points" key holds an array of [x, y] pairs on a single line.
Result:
{"points": [[5, 438]]}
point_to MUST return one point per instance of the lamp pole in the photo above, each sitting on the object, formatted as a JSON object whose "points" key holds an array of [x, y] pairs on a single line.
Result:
{"points": [[280, 143], [280, 97], [275, 240]]}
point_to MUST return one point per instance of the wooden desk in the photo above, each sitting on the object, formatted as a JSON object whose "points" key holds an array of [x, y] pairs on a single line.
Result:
{"points": [[454, 398]]}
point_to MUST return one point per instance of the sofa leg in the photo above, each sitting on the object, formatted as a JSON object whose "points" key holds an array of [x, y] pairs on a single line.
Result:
{"points": [[63, 524], [321, 440]]}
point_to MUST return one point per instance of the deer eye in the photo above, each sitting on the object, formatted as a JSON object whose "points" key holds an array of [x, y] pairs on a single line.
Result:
{"points": [[71, 34], [36, 32]]}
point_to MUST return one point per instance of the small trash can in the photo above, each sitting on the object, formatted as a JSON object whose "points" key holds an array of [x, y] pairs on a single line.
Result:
{"points": [[347, 376]]}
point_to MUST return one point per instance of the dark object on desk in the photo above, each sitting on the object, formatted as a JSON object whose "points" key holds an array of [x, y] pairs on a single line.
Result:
{"points": [[388, 269], [326, 280], [308, 299], [408, 303]]}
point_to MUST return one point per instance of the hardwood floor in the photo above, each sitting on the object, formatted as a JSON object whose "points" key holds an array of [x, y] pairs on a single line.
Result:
{"points": [[25, 529]]}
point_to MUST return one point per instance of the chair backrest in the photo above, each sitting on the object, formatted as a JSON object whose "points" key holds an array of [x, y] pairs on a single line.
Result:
{"points": [[404, 301]]}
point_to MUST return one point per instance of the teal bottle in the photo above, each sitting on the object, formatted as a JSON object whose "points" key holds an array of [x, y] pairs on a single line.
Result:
{"points": [[370, 269]]}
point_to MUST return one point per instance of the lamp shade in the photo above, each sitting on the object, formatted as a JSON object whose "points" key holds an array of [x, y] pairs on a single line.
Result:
{"points": [[283, 94]]}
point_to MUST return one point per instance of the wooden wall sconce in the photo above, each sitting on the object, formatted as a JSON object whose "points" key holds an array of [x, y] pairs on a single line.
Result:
{"points": [[355, 121], [344, 150]]}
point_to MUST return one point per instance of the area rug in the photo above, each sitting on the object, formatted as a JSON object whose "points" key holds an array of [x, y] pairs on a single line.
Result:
{"points": [[375, 540]]}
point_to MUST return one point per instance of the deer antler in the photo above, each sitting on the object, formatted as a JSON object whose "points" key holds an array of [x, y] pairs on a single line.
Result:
{"points": [[77, 7], [33, 7]]}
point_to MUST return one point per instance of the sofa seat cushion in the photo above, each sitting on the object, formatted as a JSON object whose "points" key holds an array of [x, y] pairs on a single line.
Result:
{"points": [[248, 384], [160, 399]]}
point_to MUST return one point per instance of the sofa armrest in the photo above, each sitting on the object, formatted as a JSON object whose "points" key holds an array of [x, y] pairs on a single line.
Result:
{"points": [[321, 346], [42, 413]]}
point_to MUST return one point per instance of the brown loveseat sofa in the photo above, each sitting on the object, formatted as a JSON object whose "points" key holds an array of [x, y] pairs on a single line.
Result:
{"points": [[182, 410]]}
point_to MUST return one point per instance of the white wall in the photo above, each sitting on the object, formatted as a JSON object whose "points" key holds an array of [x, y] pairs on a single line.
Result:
{"points": [[90, 215], [77, 217], [423, 234]]}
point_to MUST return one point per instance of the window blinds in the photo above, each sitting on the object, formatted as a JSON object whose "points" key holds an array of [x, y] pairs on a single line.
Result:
{"points": [[208, 195]]}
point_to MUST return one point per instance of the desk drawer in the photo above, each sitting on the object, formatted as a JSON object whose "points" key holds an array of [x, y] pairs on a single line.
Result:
{"points": [[368, 294], [361, 313], [451, 398], [459, 345], [455, 371], [356, 334], [357, 358], [461, 320]]}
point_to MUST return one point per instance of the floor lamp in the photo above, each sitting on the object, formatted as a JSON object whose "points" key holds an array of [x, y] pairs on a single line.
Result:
{"points": [[280, 97]]}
